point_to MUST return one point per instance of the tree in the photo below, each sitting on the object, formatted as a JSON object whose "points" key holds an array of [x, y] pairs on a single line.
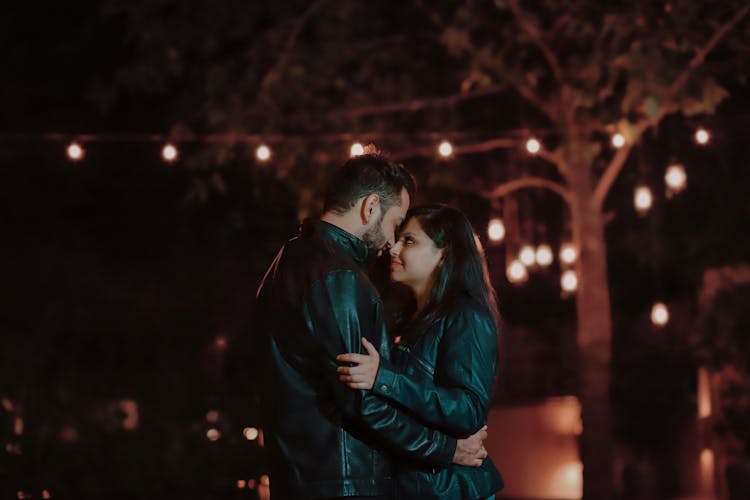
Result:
{"points": [[306, 73]]}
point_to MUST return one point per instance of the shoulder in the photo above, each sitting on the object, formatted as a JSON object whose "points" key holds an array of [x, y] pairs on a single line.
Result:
{"points": [[469, 314]]}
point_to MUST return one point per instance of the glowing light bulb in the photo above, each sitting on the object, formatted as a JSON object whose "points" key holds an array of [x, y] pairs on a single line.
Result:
{"points": [[250, 433], [75, 151], [357, 149], [675, 178], [643, 199], [544, 255], [569, 281], [618, 140], [445, 149], [568, 253], [659, 314], [213, 434], [169, 153], [702, 136], [517, 272], [496, 230], [527, 255], [263, 153], [533, 146]]}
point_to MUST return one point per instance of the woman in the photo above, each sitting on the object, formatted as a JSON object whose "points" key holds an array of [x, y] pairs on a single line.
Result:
{"points": [[443, 368]]}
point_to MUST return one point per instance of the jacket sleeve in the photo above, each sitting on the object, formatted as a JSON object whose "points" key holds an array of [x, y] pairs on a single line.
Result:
{"points": [[457, 397], [342, 309]]}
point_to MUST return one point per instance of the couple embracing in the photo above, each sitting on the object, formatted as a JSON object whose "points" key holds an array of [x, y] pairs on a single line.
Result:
{"points": [[346, 412]]}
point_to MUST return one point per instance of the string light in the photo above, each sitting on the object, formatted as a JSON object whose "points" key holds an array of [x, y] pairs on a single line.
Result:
{"points": [[568, 253], [527, 255], [75, 151], [643, 199], [533, 146], [496, 230], [675, 178], [618, 140], [250, 433], [263, 153], [46, 495], [212, 416], [213, 434], [357, 149], [445, 149], [169, 153], [659, 314], [517, 272], [544, 255], [569, 281], [702, 136], [241, 483]]}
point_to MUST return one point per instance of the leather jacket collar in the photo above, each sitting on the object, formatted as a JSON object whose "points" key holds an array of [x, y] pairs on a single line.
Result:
{"points": [[350, 244]]}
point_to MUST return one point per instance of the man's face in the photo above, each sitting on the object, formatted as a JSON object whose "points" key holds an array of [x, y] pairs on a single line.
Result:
{"points": [[382, 233]]}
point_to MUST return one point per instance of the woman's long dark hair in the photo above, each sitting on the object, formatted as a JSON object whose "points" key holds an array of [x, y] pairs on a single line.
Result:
{"points": [[463, 269]]}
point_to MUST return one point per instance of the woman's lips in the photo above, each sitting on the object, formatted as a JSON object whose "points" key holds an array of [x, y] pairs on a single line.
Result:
{"points": [[396, 265]]}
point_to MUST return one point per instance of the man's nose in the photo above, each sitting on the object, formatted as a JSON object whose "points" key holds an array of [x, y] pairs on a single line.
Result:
{"points": [[395, 249]]}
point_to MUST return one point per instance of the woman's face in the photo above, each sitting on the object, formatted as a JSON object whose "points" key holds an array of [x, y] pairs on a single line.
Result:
{"points": [[414, 257]]}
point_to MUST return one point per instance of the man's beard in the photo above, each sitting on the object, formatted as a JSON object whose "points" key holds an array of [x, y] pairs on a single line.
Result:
{"points": [[374, 237]]}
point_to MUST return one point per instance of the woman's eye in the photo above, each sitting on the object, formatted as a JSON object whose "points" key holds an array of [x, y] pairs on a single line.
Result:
{"points": [[408, 240]]}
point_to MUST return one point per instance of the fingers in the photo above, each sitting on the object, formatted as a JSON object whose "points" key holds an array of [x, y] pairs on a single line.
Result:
{"points": [[351, 357], [369, 347]]}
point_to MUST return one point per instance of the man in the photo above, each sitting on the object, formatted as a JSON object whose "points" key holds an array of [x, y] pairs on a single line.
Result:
{"points": [[315, 302]]}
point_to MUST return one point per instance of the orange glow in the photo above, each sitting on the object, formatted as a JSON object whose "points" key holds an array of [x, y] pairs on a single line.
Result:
{"points": [[708, 471], [568, 253], [704, 393], [533, 146], [250, 433], [643, 199], [544, 255], [213, 434], [212, 416], [527, 255], [357, 149], [241, 483], [46, 495], [618, 140], [569, 281], [659, 314]]}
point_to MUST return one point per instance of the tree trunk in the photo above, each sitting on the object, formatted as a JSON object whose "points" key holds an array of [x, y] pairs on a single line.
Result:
{"points": [[594, 342]]}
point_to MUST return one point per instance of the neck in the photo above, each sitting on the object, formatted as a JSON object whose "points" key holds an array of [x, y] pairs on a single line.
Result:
{"points": [[421, 293], [347, 221]]}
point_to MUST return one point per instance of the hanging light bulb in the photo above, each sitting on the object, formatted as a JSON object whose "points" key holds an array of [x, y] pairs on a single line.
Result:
{"points": [[544, 255], [659, 314], [568, 253], [569, 281], [445, 149], [75, 151], [618, 140], [250, 433], [517, 272], [533, 146], [675, 178], [263, 153], [702, 136], [213, 434], [527, 255], [169, 153], [643, 199], [357, 149], [496, 230]]}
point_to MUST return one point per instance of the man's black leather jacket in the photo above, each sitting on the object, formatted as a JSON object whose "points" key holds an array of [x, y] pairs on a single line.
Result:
{"points": [[324, 439]]}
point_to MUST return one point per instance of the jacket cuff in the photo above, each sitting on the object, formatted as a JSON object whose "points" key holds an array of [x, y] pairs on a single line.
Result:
{"points": [[449, 450], [385, 380]]}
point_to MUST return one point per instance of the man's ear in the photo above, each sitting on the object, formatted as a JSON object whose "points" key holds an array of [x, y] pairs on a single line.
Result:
{"points": [[369, 207]]}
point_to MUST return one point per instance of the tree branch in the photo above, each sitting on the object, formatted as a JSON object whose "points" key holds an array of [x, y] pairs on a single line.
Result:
{"points": [[273, 75], [618, 162], [527, 183], [536, 36], [416, 104]]}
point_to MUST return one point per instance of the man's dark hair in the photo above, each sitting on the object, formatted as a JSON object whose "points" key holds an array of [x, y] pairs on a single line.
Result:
{"points": [[367, 174]]}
